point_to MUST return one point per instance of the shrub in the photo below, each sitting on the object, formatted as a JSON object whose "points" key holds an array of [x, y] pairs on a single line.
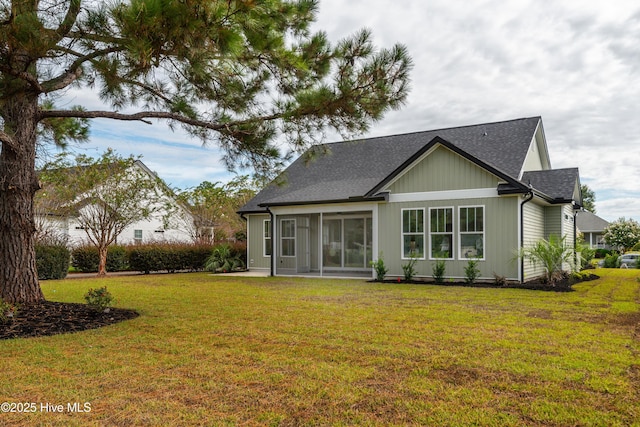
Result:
{"points": [[99, 299], [146, 258], [551, 254], [471, 272], [601, 253], [379, 267], [438, 271], [499, 280], [172, 256], [7, 311], [611, 261], [409, 269], [224, 259], [52, 261], [86, 259]]}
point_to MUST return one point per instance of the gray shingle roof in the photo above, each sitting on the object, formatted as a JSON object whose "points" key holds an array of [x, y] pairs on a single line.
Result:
{"points": [[353, 169], [559, 184], [588, 222]]}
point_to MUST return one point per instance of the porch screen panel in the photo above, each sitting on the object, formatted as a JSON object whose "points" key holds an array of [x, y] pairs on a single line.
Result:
{"points": [[288, 238], [354, 245], [332, 243]]}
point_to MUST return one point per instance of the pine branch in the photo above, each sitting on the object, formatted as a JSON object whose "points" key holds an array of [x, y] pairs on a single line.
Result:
{"points": [[144, 115], [8, 140]]}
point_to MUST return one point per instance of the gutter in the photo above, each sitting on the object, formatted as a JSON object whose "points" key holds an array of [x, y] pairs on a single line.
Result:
{"points": [[529, 196]]}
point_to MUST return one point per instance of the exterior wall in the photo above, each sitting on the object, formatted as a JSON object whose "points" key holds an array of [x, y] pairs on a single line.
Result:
{"points": [[500, 237], [533, 230], [442, 170], [553, 221], [152, 229], [255, 242], [533, 162]]}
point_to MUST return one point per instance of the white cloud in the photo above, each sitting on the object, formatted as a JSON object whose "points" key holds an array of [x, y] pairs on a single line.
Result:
{"points": [[576, 63]]}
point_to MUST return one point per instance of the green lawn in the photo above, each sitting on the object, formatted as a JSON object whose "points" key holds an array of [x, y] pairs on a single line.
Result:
{"points": [[211, 350]]}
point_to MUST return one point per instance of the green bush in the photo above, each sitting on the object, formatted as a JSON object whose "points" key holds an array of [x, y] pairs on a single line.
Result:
{"points": [[224, 259], [409, 269], [379, 267], [438, 271], [52, 261], [636, 247], [172, 257], [471, 272], [601, 253], [611, 261], [99, 299], [86, 259]]}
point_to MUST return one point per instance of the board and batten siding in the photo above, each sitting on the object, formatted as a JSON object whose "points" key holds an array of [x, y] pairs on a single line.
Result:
{"points": [[255, 242], [501, 237], [442, 170], [533, 230]]}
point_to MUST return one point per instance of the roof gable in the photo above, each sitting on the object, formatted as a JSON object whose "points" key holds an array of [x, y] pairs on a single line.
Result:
{"points": [[559, 185], [588, 222], [359, 169]]}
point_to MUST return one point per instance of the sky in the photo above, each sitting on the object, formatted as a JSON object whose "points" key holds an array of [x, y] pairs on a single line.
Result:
{"points": [[574, 63]]}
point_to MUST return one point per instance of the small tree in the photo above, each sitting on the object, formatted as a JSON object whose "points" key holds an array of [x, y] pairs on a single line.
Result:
{"points": [[106, 195], [552, 254], [622, 233]]}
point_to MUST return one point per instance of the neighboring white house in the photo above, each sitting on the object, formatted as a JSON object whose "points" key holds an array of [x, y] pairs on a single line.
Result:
{"points": [[171, 221]]}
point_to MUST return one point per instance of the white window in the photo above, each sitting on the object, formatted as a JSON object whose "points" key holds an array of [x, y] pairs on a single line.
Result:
{"points": [[413, 233], [137, 236], [471, 232], [441, 233], [266, 233], [288, 237]]}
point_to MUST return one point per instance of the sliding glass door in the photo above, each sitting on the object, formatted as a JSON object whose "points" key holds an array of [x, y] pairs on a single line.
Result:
{"points": [[346, 242]]}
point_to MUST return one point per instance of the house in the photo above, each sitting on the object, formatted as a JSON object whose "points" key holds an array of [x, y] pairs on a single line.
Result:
{"points": [[170, 221], [477, 192], [592, 228]]}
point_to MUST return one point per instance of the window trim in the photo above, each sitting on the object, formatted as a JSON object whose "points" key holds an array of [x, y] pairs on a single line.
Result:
{"points": [[402, 233], [135, 237], [266, 230], [461, 233], [439, 233], [288, 238]]}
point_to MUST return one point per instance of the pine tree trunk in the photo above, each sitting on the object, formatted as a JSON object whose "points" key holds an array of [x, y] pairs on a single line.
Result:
{"points": [[18, 185]]}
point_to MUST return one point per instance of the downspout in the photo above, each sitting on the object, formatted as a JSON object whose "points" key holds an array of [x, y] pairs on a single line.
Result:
{"points": [[529, 196], [273, 241], [575, 239]]}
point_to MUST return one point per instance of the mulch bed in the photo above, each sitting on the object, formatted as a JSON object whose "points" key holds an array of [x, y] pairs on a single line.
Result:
{"points": [[51, 318], [535, 285]]}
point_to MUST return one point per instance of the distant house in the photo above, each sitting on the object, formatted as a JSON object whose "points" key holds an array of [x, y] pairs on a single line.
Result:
{"points": [[171, 222], [476, 192], [592, 228]]}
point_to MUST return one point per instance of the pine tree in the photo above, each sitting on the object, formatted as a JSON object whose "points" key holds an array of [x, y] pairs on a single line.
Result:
{"points": [[240, 74]]}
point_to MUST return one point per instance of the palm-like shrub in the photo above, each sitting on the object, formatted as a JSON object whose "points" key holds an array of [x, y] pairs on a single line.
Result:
{"points": [[551, 254], [223, 259]]}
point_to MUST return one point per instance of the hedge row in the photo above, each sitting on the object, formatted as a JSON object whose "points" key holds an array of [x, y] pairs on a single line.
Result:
{"points": [[52, 261], [149, 257]]}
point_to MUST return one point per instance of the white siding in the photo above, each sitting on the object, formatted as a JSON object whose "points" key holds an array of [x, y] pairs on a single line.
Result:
{"points": [[534, 226]]}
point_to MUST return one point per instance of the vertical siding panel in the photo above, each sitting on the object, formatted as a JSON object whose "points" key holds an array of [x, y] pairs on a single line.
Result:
{"points": [[534, 230], [255, 252]]}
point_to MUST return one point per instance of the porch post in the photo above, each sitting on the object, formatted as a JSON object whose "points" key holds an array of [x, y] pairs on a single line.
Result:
{"points": [[320, 257], [374, 236]]}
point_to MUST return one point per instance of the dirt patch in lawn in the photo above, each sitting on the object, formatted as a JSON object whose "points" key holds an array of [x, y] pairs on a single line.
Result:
{"points": [[51, 318]]}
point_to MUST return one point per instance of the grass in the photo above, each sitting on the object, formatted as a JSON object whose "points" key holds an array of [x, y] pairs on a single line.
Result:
{"points": [[210, 350]]}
